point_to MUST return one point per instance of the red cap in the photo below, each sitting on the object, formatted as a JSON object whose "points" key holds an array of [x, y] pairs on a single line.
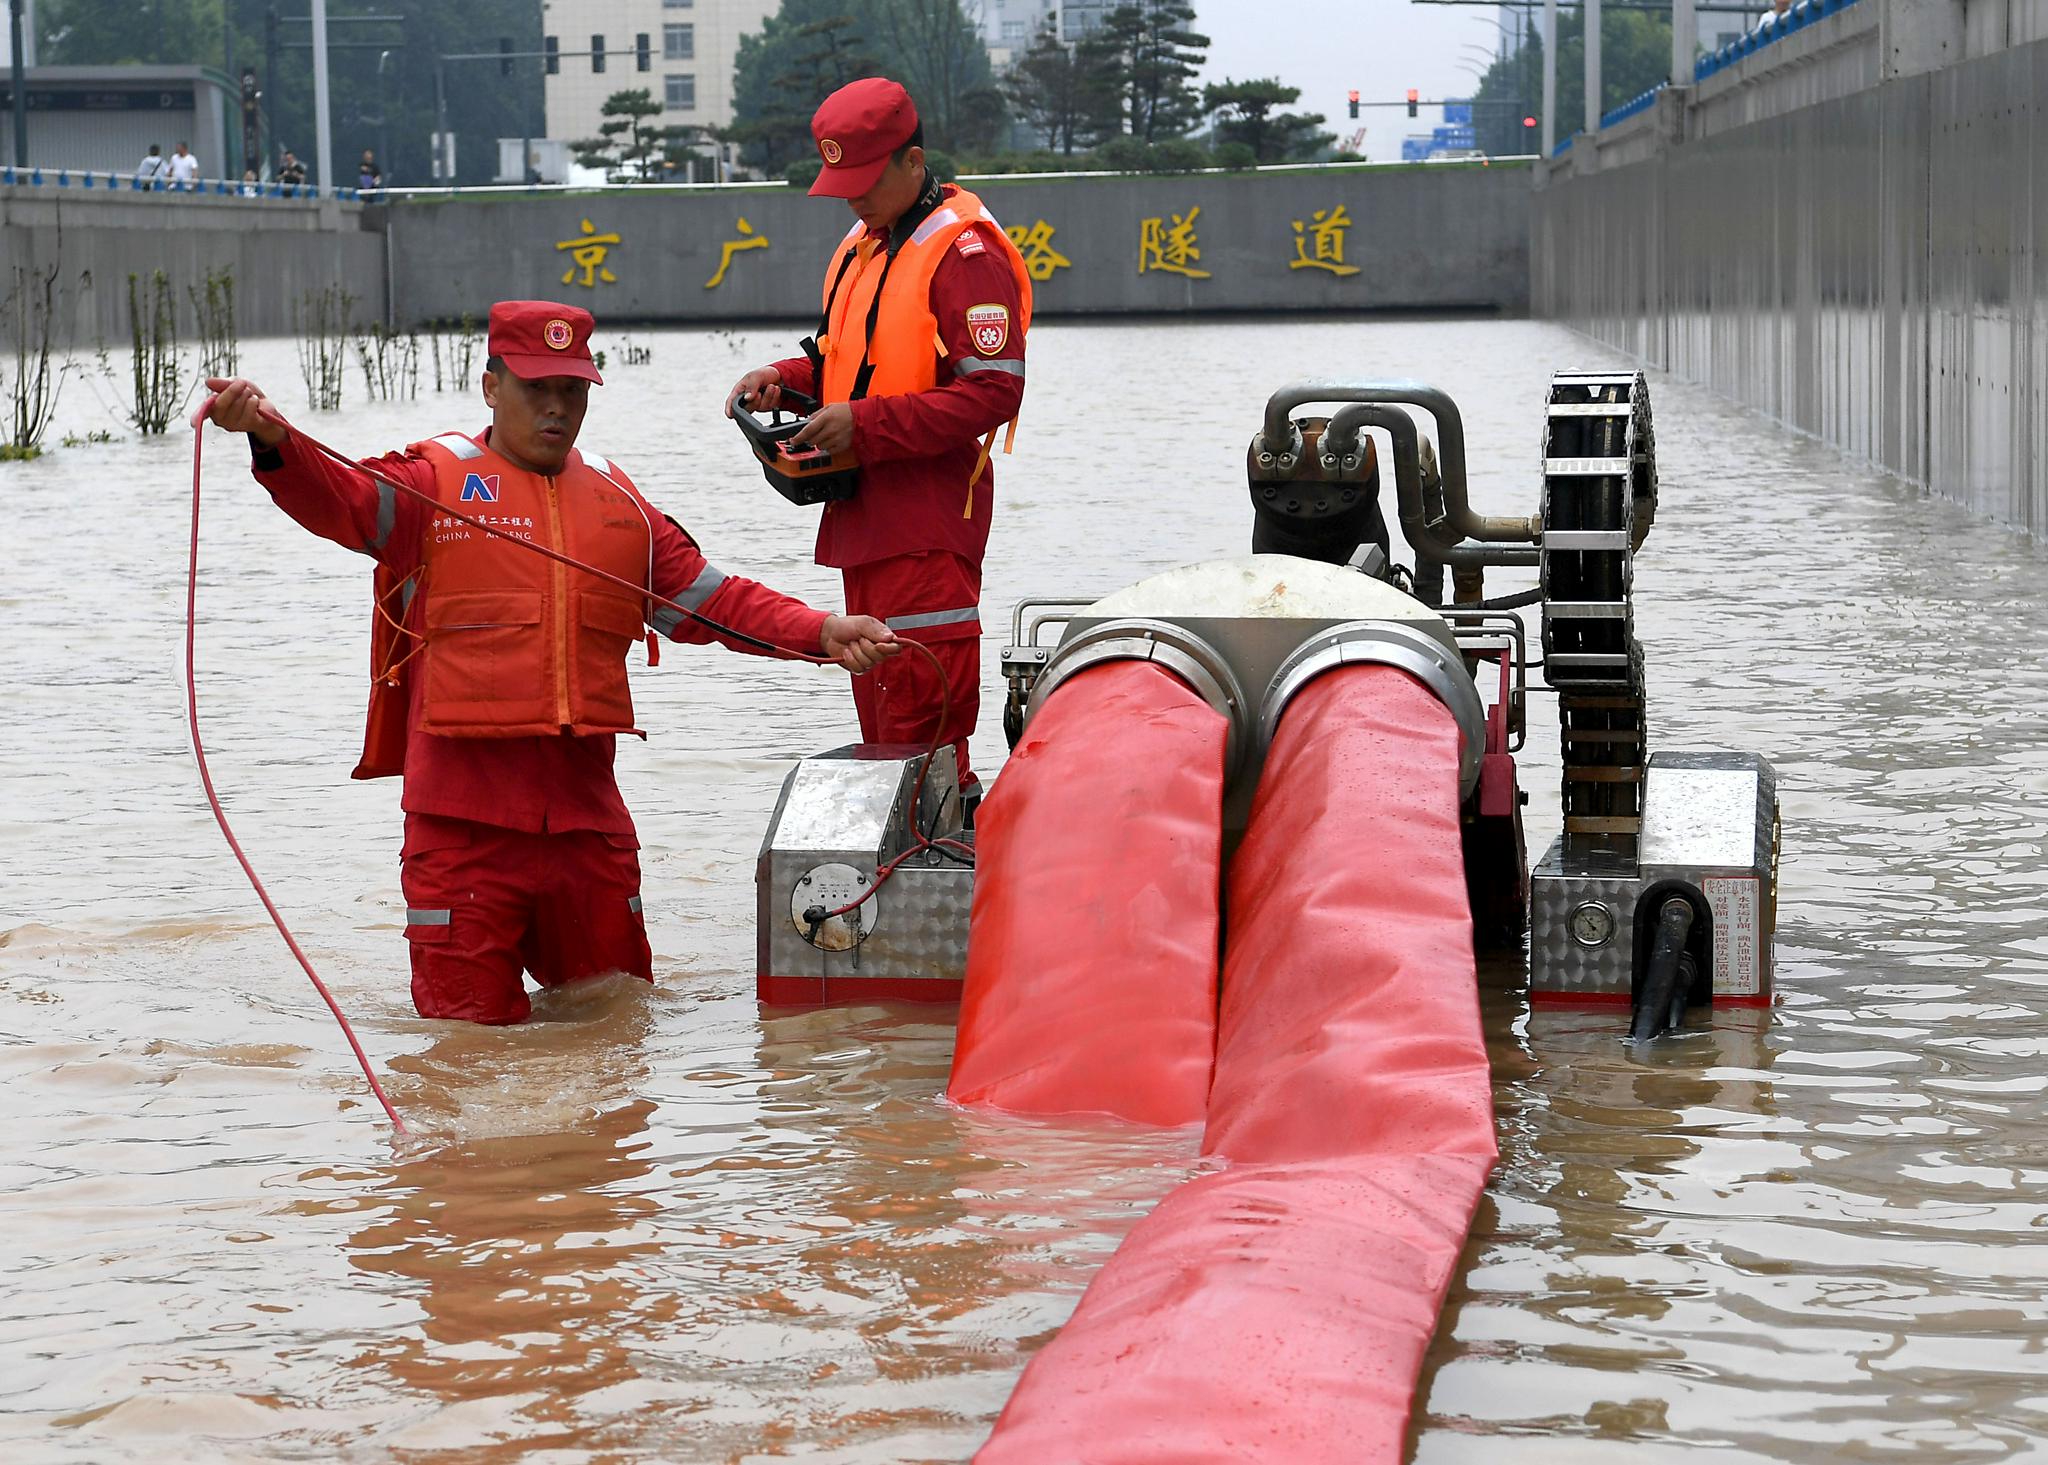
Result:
{"points": [[538, 338], [856, 129]]}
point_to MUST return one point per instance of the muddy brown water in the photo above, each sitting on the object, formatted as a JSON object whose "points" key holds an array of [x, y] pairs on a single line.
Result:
{"points": [[663, 1227]]}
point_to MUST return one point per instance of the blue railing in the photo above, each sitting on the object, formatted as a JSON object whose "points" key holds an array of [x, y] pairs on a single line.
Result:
{"points": [[1632, 106], [37, 177], [1775, 28]]}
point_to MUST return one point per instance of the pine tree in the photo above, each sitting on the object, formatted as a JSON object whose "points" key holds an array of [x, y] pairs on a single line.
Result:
{"points": [[1142, 60], [1054, 92], [1247, 115]]}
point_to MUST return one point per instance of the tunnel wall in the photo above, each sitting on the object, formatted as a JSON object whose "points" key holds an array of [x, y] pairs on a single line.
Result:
{"points": [[277, 250], [1427, 237], [1849, 237]]}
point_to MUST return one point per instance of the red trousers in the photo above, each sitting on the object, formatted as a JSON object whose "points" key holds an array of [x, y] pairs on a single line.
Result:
{"points": [[485, 904], [933, 597]]}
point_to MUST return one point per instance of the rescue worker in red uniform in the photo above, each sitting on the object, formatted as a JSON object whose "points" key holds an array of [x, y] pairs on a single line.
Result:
{"points": [[500, 676], [919, 363]]}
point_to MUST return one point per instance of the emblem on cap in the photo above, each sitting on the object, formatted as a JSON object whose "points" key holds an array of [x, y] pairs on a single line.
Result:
{"points": [[557, 334], [831, 152]]}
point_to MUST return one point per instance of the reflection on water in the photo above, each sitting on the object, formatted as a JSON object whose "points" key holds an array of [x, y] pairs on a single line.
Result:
{"points": [[658, 1226]]}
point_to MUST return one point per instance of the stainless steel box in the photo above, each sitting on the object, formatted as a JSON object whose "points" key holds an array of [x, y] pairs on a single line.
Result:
{"points": [[842, 816]]}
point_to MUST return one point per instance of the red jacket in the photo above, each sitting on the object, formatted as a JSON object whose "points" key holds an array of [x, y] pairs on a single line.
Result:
{"points": [[536, 784], [917, 451]]}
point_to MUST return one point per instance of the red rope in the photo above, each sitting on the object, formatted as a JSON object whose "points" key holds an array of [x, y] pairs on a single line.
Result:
{"points": [[646, 591], [213, 799]]}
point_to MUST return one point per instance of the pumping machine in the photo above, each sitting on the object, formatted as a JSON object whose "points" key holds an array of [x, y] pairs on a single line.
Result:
{"points": [[1660, 891]]}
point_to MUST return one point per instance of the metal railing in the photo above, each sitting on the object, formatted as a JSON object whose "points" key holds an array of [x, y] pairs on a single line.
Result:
{"points": [[1774, 28], [115, 181]]}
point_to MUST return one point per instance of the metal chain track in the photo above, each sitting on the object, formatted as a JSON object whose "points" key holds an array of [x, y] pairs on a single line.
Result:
{"points": [[1599, 498]]}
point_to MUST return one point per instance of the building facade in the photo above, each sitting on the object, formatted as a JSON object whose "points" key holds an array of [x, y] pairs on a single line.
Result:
{"points": [[691, 47], [104, 118], [1008, 27]]}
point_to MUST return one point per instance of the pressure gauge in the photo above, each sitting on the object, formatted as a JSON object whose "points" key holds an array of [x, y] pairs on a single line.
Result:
{"points": [[1592, 924]]}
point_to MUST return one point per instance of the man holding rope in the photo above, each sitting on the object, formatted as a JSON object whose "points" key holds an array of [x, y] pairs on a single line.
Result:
{"points": [[500, 673]]}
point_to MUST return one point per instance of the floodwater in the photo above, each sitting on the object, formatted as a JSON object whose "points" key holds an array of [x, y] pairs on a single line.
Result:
{"points": [[664, 1227]]}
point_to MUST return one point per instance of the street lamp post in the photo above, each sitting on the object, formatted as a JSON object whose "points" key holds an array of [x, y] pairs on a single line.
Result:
{"points": [[20, 83], [323, 126], [383, 114], [1591, 11], [1549, 77]]}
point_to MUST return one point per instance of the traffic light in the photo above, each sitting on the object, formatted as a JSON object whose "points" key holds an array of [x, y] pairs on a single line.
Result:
{"points": [[1354, 104], [553, 62], [643, 53], [1528, 121], [504, 55], [1414, 98], [596, 55]]}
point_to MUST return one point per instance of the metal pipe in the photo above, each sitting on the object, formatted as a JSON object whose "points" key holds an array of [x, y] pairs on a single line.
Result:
{"points": [[1660, 980], [1590, 9], [443, 171], [19, 65], [1685, 36], [1432, 546], [1549, 78], [1280, 438], [323, 127]]}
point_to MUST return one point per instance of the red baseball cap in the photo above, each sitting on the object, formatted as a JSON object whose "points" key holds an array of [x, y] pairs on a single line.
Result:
{"points": [[538, 338], [856, 129]]}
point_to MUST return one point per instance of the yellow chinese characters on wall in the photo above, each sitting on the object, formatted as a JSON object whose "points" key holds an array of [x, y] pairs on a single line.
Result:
{"points": [[1171, 249], [1319, 242], [1034, 242], [748, 240], [589, 251]]}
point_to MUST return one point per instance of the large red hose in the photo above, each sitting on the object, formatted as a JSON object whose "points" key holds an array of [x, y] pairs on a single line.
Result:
{"points": [[1091, 954], [1350, 1020], [1280, 1311]]}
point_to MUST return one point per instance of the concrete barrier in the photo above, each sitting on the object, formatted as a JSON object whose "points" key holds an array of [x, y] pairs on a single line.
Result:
{"points": [[1854, 256], [278, 249], [1361, 238]]}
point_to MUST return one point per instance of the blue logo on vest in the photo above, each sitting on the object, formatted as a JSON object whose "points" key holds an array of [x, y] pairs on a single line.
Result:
{"points": [[476, 486]]}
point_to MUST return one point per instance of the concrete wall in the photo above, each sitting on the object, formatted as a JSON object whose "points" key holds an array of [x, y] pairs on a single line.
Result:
{"points": [[1430, 238], [1862, 261], [277, 248]]}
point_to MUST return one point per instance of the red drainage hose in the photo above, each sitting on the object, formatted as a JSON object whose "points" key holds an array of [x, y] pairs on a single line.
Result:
{"points": [[1091, 955], [1280, 1311], [206, 776]]}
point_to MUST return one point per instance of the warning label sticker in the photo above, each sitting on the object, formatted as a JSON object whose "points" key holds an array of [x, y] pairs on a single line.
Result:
{"points": [[1736, 903]]}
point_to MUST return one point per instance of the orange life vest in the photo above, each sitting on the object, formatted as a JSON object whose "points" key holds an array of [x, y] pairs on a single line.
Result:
{"points": [[509, 643], [905, 350]]}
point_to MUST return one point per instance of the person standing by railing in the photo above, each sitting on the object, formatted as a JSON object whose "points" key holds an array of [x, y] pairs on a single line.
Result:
{"points": [[184, 168], [150, 171]]}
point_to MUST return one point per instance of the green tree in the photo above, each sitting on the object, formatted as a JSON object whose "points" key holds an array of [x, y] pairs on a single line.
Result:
{"points": [[810, 48], [1246, 112], [1142, 62], [936, 51], [804, 51], [628, 140], [1635, 55], [1056, 97]]}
